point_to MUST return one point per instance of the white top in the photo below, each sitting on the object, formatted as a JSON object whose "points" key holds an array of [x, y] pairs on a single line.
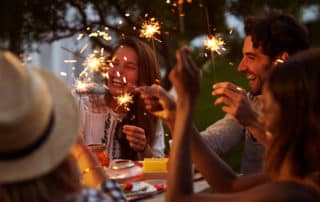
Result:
{"points": [[99, 123]]}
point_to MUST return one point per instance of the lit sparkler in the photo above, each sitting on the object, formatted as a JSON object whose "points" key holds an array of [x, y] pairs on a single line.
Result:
{"points": [[85, 86], [149, 29], [101, 34], [214, 44], [124, 100], [82, 85]]}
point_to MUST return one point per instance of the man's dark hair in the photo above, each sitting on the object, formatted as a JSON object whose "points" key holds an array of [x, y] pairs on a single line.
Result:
{"points": [[276, 32]]}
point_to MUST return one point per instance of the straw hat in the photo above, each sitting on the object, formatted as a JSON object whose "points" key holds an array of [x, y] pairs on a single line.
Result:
{"points": [[38, 120]]}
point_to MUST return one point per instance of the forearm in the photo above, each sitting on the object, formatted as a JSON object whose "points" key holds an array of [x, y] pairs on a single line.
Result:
{"points": [[258, 131], [180, 174], [218, 174], [92, 173], [170, 125]]}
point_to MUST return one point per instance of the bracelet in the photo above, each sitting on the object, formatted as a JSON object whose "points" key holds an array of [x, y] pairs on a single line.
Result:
{"points": [[87, 170]]}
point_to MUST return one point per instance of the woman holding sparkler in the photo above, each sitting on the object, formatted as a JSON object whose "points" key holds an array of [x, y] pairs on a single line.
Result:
{"points": [[118, 118], [291, 114]]}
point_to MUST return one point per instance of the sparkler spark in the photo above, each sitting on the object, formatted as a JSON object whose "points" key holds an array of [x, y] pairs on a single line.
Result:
{"points": [[149, 29], [82, 86], [70, 61], [63, 74], [101, 34], [214, 44], [124, 100], [86, 86]]}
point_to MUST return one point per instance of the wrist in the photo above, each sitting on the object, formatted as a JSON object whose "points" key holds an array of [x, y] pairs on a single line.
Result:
{"points": [[144, 148]]}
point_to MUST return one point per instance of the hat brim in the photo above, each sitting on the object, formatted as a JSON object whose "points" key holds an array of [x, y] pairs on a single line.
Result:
{"points": [[61, 138]]}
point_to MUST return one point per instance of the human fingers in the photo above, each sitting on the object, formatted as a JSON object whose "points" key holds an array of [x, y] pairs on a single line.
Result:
{"points": [[153, 104], [225, 92], [223, 100], [136, 137], [187, 62], [228, 85]]}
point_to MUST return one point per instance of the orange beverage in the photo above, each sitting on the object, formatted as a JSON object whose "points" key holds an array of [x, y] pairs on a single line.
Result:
{"points": [[101, 154]]}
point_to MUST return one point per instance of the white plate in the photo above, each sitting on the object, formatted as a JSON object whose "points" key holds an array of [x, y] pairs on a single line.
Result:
{"points": [[140, 190], [123, 174]]}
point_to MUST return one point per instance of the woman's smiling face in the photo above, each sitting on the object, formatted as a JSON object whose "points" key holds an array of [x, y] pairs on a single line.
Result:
{"points": [[123, 73]]}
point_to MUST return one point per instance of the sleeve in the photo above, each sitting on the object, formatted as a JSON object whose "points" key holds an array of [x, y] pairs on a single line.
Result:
{"points": [[223, 134], [84, 109], [112, 189], [158, 143]]}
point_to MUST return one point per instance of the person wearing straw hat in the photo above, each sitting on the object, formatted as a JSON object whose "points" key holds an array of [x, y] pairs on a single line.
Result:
{"points": [[39, 124]]}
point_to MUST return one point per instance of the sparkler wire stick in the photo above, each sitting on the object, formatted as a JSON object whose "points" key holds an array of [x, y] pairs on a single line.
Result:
{"points": [[181, 21], [213, 66], [76, 54], [211, 51], [154, 50]]}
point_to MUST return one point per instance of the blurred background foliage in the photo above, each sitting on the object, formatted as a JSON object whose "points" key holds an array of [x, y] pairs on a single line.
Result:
{"points": [[28, 22]]}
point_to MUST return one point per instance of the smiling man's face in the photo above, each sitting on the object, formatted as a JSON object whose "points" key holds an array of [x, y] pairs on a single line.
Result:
{"points": [[255, 65]]}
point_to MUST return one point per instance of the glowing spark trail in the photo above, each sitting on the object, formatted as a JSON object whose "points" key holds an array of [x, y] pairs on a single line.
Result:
{"points": [[124, 100], [149, 29], [214, 44]]}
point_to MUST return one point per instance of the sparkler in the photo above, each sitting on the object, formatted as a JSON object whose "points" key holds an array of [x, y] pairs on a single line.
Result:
{"points": [[124, 100], [214, 44], [179, 4], [149, 30]]}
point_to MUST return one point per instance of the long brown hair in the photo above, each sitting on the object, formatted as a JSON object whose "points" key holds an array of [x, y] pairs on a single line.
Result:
{"points": [[61, 181], [148, 74], [295, 86]]}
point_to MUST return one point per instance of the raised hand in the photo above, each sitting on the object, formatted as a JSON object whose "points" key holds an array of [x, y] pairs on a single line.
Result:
{"points": [[158, 102], [185, 76], [235, 102]]}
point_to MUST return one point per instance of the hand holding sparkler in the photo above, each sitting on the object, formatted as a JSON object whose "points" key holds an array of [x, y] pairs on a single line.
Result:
{"points": [[235, 102], [159, 103]]}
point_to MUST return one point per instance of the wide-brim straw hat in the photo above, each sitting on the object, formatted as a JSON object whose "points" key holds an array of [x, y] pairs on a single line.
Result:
{"points": [[39, 120]]}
